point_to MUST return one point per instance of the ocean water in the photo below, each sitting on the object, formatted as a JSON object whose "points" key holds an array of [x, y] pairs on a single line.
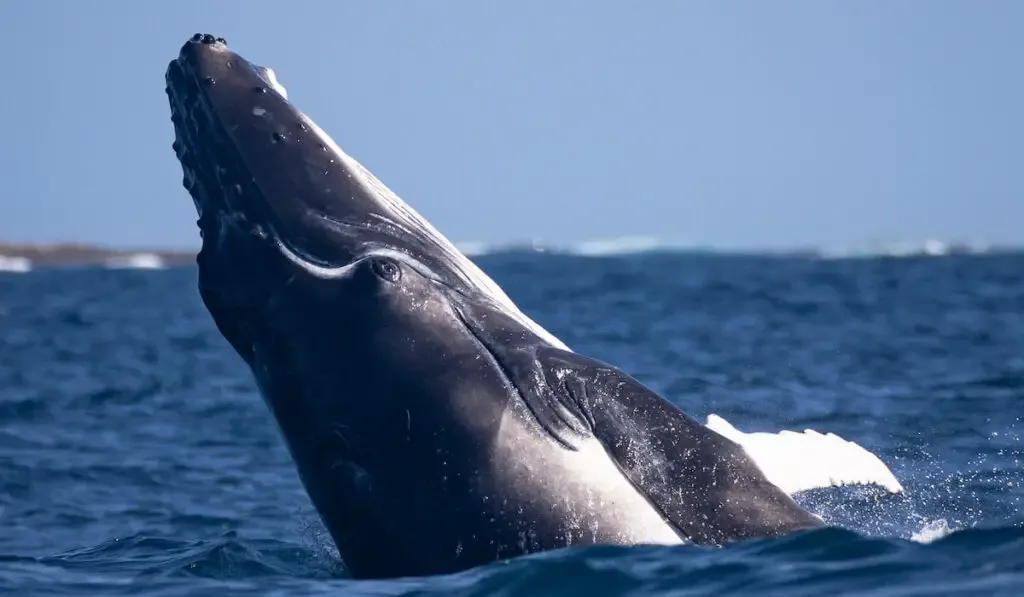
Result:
{"points": [[136, 457]]}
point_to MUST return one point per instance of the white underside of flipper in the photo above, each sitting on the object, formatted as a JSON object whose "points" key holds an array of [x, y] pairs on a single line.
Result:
{"points": [[798, 461]]}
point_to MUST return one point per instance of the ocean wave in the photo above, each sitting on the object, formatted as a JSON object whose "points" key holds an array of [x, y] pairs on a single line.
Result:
{"points": [[631, 245], [18, 265], [136, 261], [830, 560]]}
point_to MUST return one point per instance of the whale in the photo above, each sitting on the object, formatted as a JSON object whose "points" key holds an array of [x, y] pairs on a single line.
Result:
{"points": [[433, 424]]}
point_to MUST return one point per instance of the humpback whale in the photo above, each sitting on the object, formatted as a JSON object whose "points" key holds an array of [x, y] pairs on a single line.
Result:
{"points": [[434, 425]]}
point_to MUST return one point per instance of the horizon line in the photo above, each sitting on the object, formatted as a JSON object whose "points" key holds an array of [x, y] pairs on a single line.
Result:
{"points": [[593, 247]]}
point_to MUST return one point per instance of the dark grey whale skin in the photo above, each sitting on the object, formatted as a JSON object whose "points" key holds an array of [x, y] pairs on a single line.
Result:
{"points": [[434, 427]]}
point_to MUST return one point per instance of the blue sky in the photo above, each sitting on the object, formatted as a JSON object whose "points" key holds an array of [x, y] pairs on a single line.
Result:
{"points": [[745, 123]]}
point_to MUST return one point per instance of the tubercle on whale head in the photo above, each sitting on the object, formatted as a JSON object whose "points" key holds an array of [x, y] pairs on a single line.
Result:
{"points": [[206, 38]]}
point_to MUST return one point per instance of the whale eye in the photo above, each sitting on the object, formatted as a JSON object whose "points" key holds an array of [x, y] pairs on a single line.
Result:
{"points": [[387, 269]]}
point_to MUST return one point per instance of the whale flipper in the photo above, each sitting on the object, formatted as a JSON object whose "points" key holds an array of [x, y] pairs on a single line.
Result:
{"points": [[705, 484], [810, 460]]}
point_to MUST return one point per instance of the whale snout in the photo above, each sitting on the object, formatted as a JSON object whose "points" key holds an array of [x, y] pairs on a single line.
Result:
{"points": [[200, 44], [253, 161], [216, 97]]}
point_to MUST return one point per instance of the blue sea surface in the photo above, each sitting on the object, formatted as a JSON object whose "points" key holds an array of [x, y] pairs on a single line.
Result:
{"points": [[136, 457]]}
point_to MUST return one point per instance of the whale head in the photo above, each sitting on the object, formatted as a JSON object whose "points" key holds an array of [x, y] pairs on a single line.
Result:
{"points": [[355, 315], [277, 195]]}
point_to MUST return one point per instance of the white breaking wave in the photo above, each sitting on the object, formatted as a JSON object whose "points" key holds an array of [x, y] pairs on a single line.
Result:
{"points": [[472, 248], [616, 246], [598, 247], [809, 460], [15, 264], [932, 531], [628, 245], [135, 261], [929, 248]]}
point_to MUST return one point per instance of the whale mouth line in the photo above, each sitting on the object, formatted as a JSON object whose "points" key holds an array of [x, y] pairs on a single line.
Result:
{"points": [[201, 146], [223, 189]]}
